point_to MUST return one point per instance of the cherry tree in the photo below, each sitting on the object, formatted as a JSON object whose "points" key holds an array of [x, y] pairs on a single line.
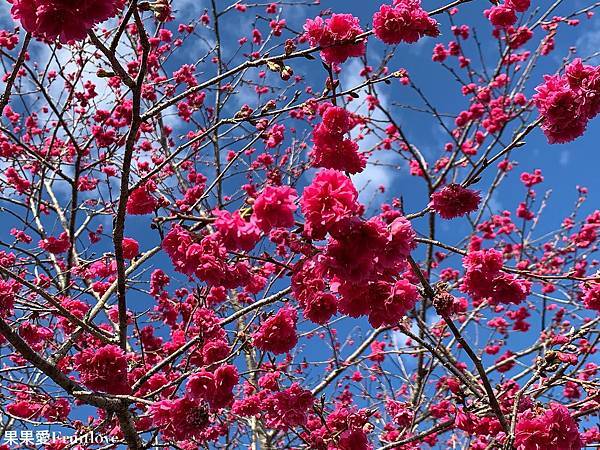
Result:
{"points": [[201, 247]]}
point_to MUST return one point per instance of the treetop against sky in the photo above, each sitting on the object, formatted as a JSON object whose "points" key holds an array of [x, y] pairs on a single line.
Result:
{"points": [[299, 224]]}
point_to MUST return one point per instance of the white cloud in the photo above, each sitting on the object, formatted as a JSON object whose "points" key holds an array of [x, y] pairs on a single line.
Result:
{"points": [[494, 203], [565, 157], [588, 44], [374, 176]]}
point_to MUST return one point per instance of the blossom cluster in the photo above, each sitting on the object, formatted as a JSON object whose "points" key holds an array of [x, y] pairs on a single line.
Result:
{"points": [[362, 259], [63, 19], [338, 37], [505, 15], [331, 149], [404, 21], [454, 201], [485, 280], [552, 428], [568, 102]]}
